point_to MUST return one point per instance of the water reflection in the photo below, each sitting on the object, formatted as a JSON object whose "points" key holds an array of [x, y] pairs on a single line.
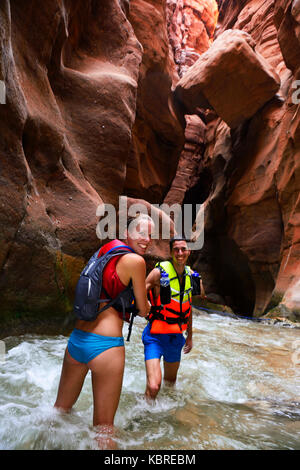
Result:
{"points": [[238, 389]]}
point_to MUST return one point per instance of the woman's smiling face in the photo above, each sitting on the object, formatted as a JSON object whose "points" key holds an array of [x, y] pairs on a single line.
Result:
{"points": [[139, 236]]}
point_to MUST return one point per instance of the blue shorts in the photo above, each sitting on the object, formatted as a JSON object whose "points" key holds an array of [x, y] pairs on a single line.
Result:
{"points": [[84, 346], [167, 345]]}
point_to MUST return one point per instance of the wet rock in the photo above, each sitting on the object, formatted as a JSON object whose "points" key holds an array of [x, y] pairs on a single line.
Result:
{"points": [[231, 78], [284, 315]]}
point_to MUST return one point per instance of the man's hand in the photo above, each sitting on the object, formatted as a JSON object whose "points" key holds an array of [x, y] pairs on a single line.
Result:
{"points": [[188, 345]]}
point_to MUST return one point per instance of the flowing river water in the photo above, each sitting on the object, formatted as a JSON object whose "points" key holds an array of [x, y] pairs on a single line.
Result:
{"points": [[239, 388]]}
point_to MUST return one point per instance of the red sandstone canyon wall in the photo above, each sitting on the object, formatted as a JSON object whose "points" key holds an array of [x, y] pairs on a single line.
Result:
{"points": [[87, 118], [251, 251], [113, 97]]}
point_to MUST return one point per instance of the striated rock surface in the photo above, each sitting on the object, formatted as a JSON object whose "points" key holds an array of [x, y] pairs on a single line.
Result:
{"points": [[189, 166], [69, 93], [157, 135], [191, 26], [251, 251], [89, 116], [230, 77], [287, 21], [72, 70]]}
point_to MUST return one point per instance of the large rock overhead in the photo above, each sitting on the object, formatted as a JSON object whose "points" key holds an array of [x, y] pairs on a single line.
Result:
{"points": [[229, 77]]}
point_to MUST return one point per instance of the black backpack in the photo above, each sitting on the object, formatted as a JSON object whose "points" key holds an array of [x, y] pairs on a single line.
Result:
{"points": [[89, 286]]}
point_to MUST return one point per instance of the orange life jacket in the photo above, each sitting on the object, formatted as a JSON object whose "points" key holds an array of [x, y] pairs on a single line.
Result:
{"points": [[173, 317]]}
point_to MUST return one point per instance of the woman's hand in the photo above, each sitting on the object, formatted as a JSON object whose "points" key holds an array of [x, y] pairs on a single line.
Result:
{"points": [[133, 267]]}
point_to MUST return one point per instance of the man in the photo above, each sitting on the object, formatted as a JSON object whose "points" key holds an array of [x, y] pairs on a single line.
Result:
{"points": [[163, 335]]}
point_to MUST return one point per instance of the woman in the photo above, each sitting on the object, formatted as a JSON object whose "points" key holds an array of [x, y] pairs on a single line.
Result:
{"points": [[99, 345]]}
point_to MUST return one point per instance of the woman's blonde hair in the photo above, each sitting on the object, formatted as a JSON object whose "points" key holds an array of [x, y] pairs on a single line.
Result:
{"points": [[133, 222]]}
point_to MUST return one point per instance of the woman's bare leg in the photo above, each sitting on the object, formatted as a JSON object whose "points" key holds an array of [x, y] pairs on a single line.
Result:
{"points": [[107, 378], [71, 381]]}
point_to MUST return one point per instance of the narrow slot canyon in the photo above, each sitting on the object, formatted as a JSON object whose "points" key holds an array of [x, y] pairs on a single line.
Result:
{"points": [[172, 101]]}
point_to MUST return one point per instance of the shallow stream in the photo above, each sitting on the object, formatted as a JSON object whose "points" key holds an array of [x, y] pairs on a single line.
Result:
{"points": [[239, 388]]}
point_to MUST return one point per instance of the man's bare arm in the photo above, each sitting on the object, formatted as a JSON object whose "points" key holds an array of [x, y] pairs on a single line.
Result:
{"points": [[153, 281]]}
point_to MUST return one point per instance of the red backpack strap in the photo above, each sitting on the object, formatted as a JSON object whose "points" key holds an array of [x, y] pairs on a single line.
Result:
{"points": [[114, 244]]}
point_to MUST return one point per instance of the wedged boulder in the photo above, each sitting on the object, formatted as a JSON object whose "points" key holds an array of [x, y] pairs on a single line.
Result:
{"points": [[230, 78]]}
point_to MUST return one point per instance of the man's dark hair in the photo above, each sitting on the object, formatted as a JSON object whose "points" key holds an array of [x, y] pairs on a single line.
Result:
{"points": [[177, 238]]}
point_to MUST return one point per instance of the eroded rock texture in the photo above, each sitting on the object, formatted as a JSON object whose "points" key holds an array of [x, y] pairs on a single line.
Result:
{"points": [[251, 251], [157, 135], [72, 69], [191, 27], [90, 115]]}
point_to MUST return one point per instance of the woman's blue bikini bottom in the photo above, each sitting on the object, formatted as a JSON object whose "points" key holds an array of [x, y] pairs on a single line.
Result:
{"points": [[84, 346]]}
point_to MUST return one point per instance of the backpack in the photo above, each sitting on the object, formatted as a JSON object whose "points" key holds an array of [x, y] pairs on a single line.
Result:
{"points": [[89, 286]]}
